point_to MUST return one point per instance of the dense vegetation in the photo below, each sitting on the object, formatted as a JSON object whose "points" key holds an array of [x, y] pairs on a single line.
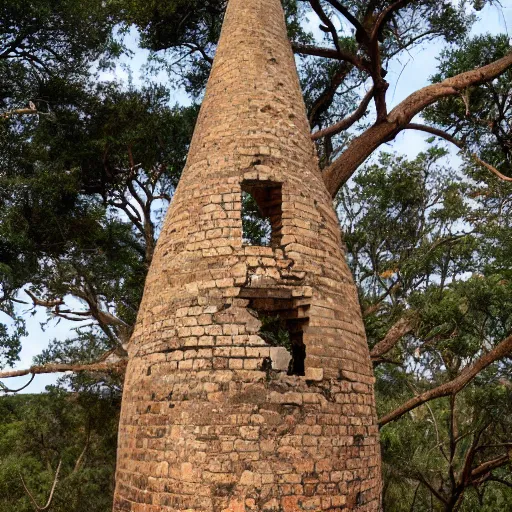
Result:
{"points": [[40, 433], [88, 167]]}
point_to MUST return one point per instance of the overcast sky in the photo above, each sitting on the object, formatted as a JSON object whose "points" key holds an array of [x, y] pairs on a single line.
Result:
{"points": [[404, 77]]}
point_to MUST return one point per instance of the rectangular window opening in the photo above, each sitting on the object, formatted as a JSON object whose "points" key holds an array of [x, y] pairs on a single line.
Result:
{"points": [[262, 203]]}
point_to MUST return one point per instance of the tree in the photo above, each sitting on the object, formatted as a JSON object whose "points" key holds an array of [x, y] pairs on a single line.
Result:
{"points": [[437, 305], [91, 234], [44, 41], [46, 49], [372, 36]]}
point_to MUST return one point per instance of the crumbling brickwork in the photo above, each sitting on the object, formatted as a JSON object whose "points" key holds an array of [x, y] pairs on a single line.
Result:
{"points": [[214, 417]]}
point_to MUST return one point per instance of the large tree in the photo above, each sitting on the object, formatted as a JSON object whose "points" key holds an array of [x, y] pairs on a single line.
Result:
{"points": [[437, 304]]}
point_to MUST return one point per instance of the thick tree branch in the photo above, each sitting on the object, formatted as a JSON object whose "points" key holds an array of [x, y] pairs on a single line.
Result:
{"points": [[465, 476], [363, 146], [485, 468], [116, 367], [330, 53], [503, 349], [346, 123], [19, 112], [394, 335]]}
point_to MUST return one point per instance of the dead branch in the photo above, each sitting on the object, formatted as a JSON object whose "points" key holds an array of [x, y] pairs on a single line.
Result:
{"points": [[117, 367], [19, 112], [346, 123], [50, 498]]}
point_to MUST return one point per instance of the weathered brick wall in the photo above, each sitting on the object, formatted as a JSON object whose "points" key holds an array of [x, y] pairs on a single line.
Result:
{"points": [[209, 423]]}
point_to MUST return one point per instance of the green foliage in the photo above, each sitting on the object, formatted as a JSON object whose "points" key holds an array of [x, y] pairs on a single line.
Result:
{"points": [[46, 49], [273, 330], [38, 431], [401, 218], [256, 227], [169, 24], [67, 226], [428, 245], [46, 40], [10, 341], [83, 187], [480, 115]]}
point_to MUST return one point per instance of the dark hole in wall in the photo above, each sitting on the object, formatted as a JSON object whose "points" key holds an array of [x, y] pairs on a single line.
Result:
{"points": [[262, 213], [283, 324]]}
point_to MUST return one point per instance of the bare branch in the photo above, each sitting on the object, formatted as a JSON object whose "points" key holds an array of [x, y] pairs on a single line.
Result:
{"points": [[118, 366], [317, 7], [466, 473], [5, 389], [361, 34], [19, 112], [385, 16], [197, 48], [44, 303], [442, 134], [346, 123], [330, 53], [50, 498], [503, 349]]}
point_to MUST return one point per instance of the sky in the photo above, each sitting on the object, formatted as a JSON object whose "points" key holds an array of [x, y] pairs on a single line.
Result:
{"points": [[404, 77]]}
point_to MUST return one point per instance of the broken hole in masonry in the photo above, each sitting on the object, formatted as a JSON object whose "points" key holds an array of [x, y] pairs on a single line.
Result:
{"points": [[261, 213], [283, 323]]}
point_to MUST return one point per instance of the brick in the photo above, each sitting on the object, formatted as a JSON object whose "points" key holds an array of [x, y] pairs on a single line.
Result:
{"points": [[205, 424]]}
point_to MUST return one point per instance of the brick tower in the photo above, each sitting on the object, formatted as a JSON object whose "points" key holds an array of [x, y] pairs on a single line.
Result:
{"points": [[218, 416]]}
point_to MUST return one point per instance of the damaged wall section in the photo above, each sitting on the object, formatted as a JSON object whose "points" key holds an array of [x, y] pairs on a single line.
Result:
{"points": [[284, 321]]}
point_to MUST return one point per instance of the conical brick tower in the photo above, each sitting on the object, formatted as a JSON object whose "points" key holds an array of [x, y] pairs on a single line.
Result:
{"points": [[218, 416]]}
